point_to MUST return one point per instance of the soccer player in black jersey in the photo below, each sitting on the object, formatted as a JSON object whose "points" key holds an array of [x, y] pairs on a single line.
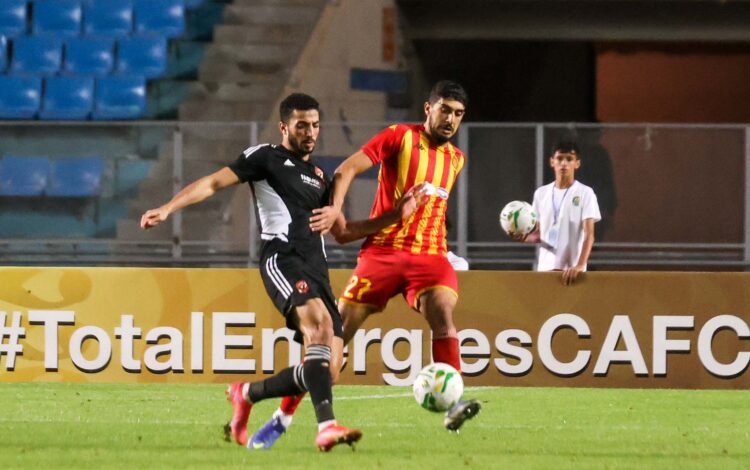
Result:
{"points": [[287, 186]]}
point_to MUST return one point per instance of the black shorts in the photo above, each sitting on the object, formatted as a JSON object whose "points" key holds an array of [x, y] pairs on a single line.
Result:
{"points": [[290, 281]]}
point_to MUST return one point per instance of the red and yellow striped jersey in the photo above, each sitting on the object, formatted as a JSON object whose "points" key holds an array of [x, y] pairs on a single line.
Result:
{"points": [[408, 158]]}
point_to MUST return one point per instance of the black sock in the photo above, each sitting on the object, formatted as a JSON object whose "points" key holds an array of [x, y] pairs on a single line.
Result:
{"points": [[287, 382], [317, 378]]}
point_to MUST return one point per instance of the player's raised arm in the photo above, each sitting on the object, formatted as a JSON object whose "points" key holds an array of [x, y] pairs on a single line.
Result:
{"points": [[345, 231], [324, 218], [193, 193]]}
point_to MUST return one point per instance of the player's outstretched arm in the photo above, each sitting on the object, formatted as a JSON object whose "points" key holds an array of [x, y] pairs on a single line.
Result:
{"points": [[193, 193], [323, 220], [345, 231]]}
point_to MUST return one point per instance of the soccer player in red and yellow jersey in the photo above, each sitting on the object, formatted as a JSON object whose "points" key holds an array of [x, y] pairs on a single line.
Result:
{"points": [[408, 257]]}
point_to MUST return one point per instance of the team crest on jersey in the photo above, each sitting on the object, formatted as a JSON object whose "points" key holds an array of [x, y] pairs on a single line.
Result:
{"points": [[577, 201], [319, 173], [454, 162], [302, 286]]}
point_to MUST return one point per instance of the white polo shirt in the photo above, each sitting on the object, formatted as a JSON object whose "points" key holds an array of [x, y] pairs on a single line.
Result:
{"points": [[561, 214]]}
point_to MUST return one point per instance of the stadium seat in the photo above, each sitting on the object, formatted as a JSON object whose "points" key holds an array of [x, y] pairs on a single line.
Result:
{"points": [[3, 53], [130, 172], [165, 17], [76, 177], [67, 98], [119, 98], [145, 56], [13, 17], [89, 56], [23, 176], [61, 17], [193, 4], [108, 18], [20, 97], [36, 55]]}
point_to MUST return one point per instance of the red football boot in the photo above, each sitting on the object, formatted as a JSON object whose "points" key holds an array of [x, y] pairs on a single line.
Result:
{"points": [[336, 434], [238, 426]]}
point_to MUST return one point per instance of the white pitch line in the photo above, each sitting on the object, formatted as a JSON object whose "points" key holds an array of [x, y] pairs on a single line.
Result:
{"points": [[394, 395]]}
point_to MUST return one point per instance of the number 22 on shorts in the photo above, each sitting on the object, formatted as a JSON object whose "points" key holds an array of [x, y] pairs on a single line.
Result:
{"points": [[357, 287]]}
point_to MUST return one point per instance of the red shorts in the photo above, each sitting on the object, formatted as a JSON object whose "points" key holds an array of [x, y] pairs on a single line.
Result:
{"points": [[381, 273]]}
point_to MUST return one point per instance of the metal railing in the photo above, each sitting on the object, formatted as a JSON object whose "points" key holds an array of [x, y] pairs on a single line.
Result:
{"points": [[677, 197]]}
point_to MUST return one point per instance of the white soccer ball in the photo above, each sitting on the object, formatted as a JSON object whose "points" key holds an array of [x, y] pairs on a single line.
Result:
{"points": [[438, 387], [518, 218]]}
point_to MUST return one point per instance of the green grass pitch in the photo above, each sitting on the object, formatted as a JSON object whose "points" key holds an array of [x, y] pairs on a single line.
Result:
{"points": [[180, 426]]}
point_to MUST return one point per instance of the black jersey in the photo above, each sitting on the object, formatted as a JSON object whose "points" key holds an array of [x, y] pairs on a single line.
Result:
{"points": [[286, 189]]}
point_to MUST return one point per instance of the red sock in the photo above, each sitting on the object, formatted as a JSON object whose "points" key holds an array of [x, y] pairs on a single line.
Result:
{"points": [[289, 404], [446, 350]]}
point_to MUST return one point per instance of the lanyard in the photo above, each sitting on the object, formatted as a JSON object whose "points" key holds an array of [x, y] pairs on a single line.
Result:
{"points": [[556, 209]]}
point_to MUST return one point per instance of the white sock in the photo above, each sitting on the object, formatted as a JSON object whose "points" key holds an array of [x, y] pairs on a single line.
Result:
{"points": [[325, 424], [245, 390], [286, 420]]}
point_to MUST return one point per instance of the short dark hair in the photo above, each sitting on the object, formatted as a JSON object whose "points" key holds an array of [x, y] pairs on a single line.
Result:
{"points": [[298, 102], [449, 89], [566, 146]]}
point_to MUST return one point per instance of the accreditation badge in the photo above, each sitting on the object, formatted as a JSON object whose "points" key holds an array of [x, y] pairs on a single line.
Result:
{"points": [[552, 236]]}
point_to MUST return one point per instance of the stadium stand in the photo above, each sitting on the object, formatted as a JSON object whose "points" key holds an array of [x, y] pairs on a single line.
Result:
{"points": [[13, 17], [142, 55], [60, 17], [36, 55], [88, 56], [165, 17], [20, 97], [69, 98], [23, 176], [119, 98], [76, 177], [108, 18]]}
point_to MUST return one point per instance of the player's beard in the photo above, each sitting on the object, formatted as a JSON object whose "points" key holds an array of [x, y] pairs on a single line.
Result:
{"points": [[438, 136], [298, 147]]}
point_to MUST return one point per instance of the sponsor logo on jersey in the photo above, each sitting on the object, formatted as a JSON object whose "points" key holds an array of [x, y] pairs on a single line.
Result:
{"points": [[311, 181], [319, 173], [577, 201], [288, 163], [302, 286], [442, 193]]}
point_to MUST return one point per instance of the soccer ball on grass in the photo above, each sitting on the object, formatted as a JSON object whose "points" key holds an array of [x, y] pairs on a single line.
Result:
{"points": [[438, 387]]}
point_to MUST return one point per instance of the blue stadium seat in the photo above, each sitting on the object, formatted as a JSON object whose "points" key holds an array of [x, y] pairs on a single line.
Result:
{"points": [[119, 98], [193, 4], [23, 176], [36, 55], [61, 17], [108, 18], [165, 17], [3, 53], [76, 177], [13, 17], [145, 56], [67, 98], [20, 97], [89, 56], [130, 172]]}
